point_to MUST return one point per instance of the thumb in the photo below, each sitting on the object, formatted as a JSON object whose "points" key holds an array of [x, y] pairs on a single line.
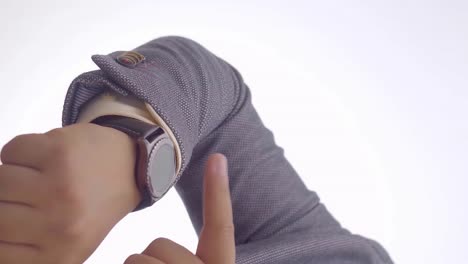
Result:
{"points": [[216, 243]]}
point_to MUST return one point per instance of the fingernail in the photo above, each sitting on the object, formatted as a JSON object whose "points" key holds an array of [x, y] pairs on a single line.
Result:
{"points": [[220, 167]]}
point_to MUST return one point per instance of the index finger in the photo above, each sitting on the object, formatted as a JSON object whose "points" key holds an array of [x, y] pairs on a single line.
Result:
{"points": [[216, 243]]}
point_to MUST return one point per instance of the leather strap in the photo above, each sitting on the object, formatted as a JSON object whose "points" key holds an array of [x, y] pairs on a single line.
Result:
{"points": [[131, 126], [145, 136]]}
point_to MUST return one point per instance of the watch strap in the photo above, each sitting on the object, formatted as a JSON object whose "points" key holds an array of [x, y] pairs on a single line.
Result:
{"points": [[133, 127], [145, 136]]}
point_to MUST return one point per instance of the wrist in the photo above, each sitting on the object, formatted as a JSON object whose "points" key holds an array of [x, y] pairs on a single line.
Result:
{"points": [[121, 162], [155, 170]]}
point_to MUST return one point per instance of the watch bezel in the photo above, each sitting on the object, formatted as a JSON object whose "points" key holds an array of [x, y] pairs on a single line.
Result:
{"points": [[146, 152]]}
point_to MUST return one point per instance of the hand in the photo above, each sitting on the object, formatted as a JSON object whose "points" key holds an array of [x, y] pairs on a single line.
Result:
{"points": [[216, 243], [61, 193]]}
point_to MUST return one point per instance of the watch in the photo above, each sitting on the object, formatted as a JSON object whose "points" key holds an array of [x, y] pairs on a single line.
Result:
{"points": [[155, 167]]}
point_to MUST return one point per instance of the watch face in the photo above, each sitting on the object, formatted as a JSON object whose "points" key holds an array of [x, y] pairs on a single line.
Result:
{"points": [[162, 167]]}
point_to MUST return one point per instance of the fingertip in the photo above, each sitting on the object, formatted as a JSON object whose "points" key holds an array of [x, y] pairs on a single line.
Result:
{"points": [[217, 234], [218, 165], [217, 205], [218, 156]]}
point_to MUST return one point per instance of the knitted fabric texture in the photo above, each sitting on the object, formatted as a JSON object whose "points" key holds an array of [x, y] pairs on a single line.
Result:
{"points": [[207, 105]]}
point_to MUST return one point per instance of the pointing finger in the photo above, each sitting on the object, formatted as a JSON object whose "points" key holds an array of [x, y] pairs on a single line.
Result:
{"points": [[216, 243]]}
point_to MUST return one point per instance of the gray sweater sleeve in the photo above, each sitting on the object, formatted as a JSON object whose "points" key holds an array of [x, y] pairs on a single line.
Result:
{"points": [[207, 105]]}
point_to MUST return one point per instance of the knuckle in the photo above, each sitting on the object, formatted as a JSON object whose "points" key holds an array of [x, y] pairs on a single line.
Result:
{"points": [[159, 242], [133, 259], [59, 147], [66, 211], [66, 204], [7, 148], [67, 226], [158, 245], [62, 155], [73, 230], [57, 137], [227, 229], [55, 132], [223, 229], [67, 193]]}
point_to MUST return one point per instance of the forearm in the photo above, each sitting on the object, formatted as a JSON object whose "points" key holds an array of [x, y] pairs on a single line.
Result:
{"points": [[207, 106]]}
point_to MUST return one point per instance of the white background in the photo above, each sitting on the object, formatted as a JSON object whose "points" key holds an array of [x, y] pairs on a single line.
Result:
{"points": [[368, 99]]}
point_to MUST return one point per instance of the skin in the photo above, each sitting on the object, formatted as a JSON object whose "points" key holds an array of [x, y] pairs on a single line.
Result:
{"points": [[216, 244], [62, 192]]}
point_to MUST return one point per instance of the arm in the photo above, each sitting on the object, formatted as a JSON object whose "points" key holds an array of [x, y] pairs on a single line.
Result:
{"points": [[208, 107]]}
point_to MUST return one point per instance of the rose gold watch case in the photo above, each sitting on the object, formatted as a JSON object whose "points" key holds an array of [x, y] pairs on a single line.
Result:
{"points": [[155, 170]]}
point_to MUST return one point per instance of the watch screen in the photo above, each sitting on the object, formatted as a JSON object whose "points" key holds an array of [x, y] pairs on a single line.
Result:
{"points": [[163, 169]]}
